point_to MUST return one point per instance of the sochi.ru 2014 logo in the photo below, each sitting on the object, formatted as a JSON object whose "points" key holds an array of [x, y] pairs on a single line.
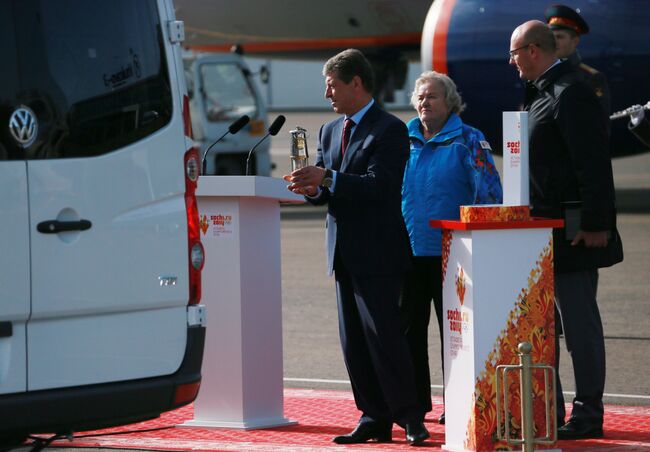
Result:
{"points": [[460, 285], [203, 224]]}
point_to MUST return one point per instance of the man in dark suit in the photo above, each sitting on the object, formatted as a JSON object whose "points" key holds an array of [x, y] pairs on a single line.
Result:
{"points": [[358, 174], [570, 168]]}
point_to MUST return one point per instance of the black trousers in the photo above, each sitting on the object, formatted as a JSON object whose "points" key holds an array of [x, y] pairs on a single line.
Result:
{"points": [[423, 283], [575, 299], [375, 350]]}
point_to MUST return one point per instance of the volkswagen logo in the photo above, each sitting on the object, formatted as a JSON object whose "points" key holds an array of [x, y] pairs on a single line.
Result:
{"points": [[23, 126]]}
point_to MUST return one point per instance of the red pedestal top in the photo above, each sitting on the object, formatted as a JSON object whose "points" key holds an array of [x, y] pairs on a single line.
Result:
{"points": [[534, 223]]}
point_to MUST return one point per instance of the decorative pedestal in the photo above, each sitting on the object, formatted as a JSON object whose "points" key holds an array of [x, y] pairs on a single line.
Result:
{"points": [[497, 292], [242, 385]]}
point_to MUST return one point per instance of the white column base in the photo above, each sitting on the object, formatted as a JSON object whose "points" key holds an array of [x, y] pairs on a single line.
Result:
{"points": [[248, 424]]}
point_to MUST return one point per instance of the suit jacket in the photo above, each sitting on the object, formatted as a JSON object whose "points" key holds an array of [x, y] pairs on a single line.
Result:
{"points": [[364, 218], [570, 161]]}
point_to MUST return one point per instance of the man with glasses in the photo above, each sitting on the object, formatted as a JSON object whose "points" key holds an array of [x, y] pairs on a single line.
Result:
{"points": [[570, 166]]}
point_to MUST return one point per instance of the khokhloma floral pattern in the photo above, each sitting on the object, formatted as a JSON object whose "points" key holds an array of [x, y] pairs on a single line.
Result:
{"points": [[472, 214], [531, 320], [447, 235]]}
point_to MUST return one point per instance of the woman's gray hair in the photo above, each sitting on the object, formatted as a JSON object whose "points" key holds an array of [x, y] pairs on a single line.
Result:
{"points": [[452, 96]]}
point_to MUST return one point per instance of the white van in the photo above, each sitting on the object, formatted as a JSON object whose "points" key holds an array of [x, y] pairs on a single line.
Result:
{"points": [[222, 89], [100, 257]]}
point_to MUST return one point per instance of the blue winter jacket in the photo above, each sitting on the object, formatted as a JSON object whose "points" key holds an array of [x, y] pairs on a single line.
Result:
{"points": [[453, 168]]}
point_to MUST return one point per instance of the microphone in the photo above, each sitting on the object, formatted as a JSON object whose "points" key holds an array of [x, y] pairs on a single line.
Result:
{"points": [[277, 125], [232, 129], [273, 131]]}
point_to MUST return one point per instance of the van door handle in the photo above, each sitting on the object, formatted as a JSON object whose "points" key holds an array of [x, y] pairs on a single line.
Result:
{"points": [[55, 226], [6, 329]]}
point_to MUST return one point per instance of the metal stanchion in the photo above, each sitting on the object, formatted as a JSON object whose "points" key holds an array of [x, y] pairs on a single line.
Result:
{"points": [[528, 439]]}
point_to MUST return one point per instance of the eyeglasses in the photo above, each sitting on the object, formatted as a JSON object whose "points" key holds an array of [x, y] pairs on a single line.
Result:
{"points": [[511, 53]]}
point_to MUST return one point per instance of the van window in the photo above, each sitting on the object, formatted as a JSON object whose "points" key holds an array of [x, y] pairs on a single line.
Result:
{"points": [[93, 74], [227, 92]]}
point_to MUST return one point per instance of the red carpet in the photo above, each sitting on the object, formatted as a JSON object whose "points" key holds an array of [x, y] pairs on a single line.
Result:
{"points": [[322, 415]]}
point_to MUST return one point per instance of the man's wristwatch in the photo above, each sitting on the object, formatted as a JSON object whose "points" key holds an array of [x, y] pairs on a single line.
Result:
{"points": [[328, 179]]}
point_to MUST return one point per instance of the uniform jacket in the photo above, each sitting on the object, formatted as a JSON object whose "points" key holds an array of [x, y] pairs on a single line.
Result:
{"points": [[364, 219], [595, 79], [569, 161], [453, 168]]}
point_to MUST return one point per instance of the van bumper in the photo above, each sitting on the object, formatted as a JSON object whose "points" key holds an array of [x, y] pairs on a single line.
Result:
{"points": [[93, 407]]}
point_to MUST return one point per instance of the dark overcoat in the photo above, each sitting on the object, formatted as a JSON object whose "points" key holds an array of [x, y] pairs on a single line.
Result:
{"points": [[569, 162]]}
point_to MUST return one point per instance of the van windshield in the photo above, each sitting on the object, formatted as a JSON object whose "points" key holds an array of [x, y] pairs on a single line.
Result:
{"points": [[91, 76], [226, 91]]}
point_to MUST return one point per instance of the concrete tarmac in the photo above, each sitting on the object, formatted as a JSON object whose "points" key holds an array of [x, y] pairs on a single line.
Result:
{"points": [[311, 345], [631, 174]]}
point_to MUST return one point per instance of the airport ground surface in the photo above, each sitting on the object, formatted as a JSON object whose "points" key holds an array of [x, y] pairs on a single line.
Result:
{"points": [[311, 345], [312, 356]]}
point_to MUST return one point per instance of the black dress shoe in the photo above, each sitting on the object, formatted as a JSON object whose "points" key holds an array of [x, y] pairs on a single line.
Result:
{"points": [[580, 429], [366, 431], [441, 419], [416, 433]]}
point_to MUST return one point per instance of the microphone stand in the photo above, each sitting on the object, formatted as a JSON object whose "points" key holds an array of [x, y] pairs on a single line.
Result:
{"points": [[233, 129], [251, 152], [273, 130], [205, 154]]}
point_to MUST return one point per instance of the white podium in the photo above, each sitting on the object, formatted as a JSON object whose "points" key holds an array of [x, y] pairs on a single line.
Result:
{"points": [[497, 292], [242, 385], [497, 270]]}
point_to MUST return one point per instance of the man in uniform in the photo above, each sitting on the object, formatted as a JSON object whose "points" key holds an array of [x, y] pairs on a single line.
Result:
{"points": [[568, 26]]}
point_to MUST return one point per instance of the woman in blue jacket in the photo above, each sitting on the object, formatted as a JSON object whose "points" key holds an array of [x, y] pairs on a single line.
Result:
{"points": [[449, 165]]}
